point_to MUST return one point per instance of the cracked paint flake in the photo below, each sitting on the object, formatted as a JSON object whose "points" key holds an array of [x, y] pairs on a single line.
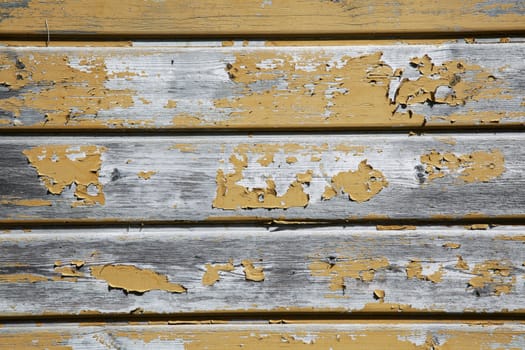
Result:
{"points": [[60, 166], [134, 280], [478, 166], [414, 269], [146, 175], [494, 276], [360, 185], [252, 273], [359, 269], [212, 272], [230, 195]]}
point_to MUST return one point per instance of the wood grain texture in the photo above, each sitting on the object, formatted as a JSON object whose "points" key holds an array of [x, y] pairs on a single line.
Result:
{"points": [[315, 177], [172, 88], [377, 336], [305, 269], [257, 17]]}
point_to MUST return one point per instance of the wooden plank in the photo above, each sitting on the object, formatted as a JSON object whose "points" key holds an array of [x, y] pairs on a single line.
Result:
{"points": [[338, 87], [242, 270], [256, 17], [312, 177], [376, 336]]}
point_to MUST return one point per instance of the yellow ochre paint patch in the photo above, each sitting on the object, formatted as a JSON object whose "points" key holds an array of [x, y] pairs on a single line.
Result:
{"points": [[351, 91], [252, 273], [212, 272], [146, 175], [59, 166], [360, 185], [360, 269], [478, 166], [133, 279], [65, 93]]}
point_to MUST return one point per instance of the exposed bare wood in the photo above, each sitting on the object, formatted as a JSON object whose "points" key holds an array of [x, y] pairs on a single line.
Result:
{"points": [[173, 88], [168, 271], [261, 177], [258, 17]]}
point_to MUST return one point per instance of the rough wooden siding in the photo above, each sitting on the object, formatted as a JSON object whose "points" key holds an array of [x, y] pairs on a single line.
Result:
{"points": [[323, 177], [262, 174], [240, 270], [448, 85], [258, 17], [416, 336]]}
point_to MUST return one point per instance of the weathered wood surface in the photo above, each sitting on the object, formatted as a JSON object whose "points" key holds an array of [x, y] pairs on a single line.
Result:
{"points": [[257, 17], [280, 270], [378, 86], [337, 176], [375, 336]]}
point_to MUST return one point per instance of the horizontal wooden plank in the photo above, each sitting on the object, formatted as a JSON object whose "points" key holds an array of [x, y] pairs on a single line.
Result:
{"points": [[172, 88], [240, 270], [313, 177], [257, 17], [414, 336]]}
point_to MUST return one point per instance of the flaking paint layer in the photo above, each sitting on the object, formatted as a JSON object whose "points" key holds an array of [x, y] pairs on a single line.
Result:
{"points": [[350, 91], [59, 166], [338, 270], [212, 272], [62, 94], [133, 279], [251, 272], [478, 166]]}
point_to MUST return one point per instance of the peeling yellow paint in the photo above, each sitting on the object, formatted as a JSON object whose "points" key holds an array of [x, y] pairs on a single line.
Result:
{"points": [[323, 90], [360, 185], [36, 340], [414, 269], [59, 166], [68, 271], [26, 202], [495, 274], [65, 94], [360, 269], [77, 263], [212, 272], [171, 104], [133, 279], [478, 166], [461, 264], [379, 294], [478, 227], [252, 273], [230, 195], [22, 278], [387, 307], [452, 245], [395, 227], [146, 175], [291, 160]]}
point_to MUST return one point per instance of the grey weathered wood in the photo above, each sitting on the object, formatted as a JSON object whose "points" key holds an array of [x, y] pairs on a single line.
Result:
{"points": [[184, 185], [145, 79], [373, 336], [286, 254]]}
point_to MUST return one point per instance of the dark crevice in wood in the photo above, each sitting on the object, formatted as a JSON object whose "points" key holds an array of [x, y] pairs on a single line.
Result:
{"points": [[217, 131], [125, 36], [269, 224], [273, 317]]}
